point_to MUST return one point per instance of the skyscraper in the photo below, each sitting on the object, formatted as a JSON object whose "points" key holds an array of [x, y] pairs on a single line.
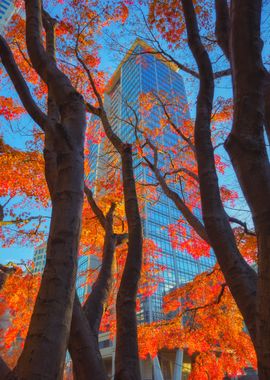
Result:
{"points": [[141, 72], [7, 8]]}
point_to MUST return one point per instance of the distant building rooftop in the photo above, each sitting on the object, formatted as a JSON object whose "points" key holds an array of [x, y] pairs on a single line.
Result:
{"points": [[7, 9]]}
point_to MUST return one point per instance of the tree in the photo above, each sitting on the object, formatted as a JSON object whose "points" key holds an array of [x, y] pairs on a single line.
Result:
{"points": [[67, 104], [64, 175], [63, 158], [238, 34], [64, 147]]}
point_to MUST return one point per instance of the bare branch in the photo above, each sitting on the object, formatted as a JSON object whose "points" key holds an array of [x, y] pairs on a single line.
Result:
{"points": [[91, 80], [20, 220], [175, 127], [178, 201], [182, 170], [23, 54], [242, 224], [93, 110], [115, 140]]}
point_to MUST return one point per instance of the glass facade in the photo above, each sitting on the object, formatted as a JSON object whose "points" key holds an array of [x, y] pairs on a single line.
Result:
{"points": [[84, 264], [89, 262], [140, 74]]}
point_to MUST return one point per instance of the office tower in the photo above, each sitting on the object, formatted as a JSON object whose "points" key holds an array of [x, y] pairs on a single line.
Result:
{"points": [[7, 8], [140, 73], [39, 258]]}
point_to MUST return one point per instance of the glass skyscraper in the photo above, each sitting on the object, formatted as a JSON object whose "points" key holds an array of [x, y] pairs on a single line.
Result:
{"points": [[139, 73]]}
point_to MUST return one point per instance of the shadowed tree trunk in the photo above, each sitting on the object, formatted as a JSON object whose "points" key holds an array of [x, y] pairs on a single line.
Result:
{"points": [[246, 147], [216, 229], [93, 306], [267, 104], [127, 364], [223, 24], [83, 343], [83, 347], [247, 150], [127, 357]]}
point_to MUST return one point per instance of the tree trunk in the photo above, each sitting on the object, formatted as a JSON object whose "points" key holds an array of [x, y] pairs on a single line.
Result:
{"points": [[127, 364], [93, 306], [83, 347], [267, 104], [247, 150], [45, 347], [240, 278], [83, 342], [52, 313], [127, 358]]}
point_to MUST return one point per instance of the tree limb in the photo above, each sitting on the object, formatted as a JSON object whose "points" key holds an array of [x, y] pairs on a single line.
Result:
{"points": [[170, 58], [19, 220], [242, 224], [174, 196], [215, 302], [97, 211], [20, 85]]}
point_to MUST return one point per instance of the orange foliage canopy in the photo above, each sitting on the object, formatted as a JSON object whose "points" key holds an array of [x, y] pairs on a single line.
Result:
{"points": [[167, 17], [22, 189], [205, 320], [17, 301]]}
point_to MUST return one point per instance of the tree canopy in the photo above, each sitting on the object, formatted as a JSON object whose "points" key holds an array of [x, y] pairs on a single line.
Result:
{"points": [[69, 179]]}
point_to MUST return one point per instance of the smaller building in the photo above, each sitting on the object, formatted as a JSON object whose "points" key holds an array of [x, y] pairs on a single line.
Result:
{"points": [[7, 9], [40, 258], [168, 365]]}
